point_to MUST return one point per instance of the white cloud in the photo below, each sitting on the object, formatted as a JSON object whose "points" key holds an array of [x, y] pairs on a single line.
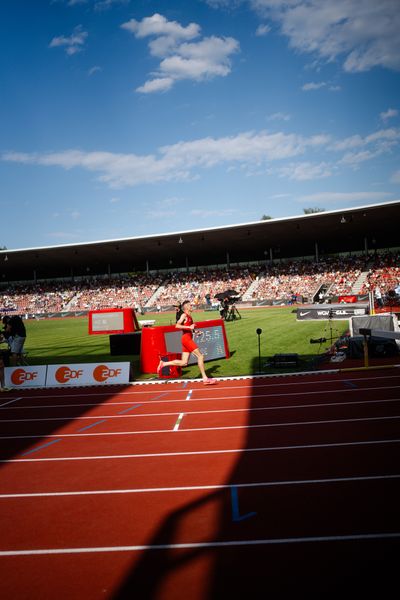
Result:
{"points": [[160, 84], [159, 26], [305, 171], [395, 178], [279, 116], [204, 214], [160, 214], [389, 114], [284, 154], [98, 4], [307, 87], [372, 145], [72, 44], [364, 32], [106, 4], [180, 57], [313, 86], [359, 149], [263, 30], [94, 70], [345, 197], [177, 162]]}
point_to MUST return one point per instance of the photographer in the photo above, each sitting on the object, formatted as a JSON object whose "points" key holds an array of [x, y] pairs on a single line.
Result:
{"points": [[15, 334]]}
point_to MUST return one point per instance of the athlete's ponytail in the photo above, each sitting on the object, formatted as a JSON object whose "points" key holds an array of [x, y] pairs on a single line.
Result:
{"points": [[179, 312]]}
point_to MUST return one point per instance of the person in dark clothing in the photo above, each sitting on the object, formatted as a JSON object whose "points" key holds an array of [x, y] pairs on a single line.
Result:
{"points": [[15, 334]]}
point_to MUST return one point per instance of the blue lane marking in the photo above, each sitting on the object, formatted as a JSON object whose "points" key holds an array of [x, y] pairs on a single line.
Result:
{"points": [[41, 447], [350, 384], [160, 396], [128, 409], [92, 425], [235, 507]]}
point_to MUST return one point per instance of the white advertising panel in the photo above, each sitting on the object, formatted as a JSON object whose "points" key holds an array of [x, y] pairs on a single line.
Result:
{"points": [[87, 374], [22, 377]]}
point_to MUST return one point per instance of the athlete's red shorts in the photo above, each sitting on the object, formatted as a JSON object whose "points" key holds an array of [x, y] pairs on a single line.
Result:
{"points": [[188, 344]]}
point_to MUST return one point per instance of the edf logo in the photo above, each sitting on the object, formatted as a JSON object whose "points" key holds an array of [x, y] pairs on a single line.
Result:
{"points": [[102, 373], [66, 374], [20, 376]]}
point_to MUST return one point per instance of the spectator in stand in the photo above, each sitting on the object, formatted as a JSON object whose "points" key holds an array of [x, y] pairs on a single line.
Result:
{"points": [[15, 334], [378, 297]]}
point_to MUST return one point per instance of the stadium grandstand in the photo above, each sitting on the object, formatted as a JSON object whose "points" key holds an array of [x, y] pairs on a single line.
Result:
{"points": [[277, 261]]}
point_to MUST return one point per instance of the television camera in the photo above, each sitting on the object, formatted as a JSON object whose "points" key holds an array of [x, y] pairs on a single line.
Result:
{"points": [[228, 310]]}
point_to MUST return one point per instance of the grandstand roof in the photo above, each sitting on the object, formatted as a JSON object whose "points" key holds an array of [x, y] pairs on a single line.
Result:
{"points": [[334, 231]]}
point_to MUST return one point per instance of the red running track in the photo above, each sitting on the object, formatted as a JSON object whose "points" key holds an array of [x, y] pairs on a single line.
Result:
{"points": [[280, 486]]}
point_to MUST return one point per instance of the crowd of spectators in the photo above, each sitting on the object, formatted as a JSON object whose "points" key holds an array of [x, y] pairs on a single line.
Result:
{"points": [[384, 272], [197, 286], [285, 282], [304, 278]]}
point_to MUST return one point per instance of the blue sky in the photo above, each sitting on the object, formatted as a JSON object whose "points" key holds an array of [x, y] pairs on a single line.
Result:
{"points": [[124, 118]]}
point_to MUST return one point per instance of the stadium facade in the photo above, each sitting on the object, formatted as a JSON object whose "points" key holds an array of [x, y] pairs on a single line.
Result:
{"points": [[353, 231]]}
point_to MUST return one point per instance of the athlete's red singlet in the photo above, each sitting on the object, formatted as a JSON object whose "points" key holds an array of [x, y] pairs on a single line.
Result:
{"points": [[188, 345]]}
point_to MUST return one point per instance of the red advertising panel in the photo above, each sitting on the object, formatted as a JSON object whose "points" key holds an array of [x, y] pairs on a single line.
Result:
{"points": [[112, 320]]}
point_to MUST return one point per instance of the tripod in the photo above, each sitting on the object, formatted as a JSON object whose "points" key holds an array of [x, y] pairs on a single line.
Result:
{"points": [[232, 314]]}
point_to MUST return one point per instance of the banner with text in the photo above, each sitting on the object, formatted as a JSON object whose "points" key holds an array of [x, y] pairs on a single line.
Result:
{"points": [[23, 377], [88, 374]]}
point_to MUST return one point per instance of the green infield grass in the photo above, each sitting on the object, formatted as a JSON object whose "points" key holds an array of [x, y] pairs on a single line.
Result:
{"points": [[57, 341]]}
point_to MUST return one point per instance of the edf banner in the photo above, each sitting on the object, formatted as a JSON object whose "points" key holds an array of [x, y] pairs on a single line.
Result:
{"points": [[87, 374], [22, 377]]}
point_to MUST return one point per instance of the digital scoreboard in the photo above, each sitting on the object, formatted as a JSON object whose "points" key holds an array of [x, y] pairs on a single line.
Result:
{"points": [[210, 341], [210, 337]]}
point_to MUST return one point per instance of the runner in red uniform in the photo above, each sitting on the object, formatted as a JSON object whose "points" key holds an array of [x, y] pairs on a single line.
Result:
{"points": [[189, 346]]}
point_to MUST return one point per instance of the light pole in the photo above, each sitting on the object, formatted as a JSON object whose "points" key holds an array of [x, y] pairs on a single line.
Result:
{"points": [[259, 332]]}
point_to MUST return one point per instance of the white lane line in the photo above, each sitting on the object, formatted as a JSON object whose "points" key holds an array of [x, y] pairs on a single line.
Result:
{"points": [[206, 412], [192, 488], [178, 422], [220, 398], [203, 452], [233, 543], [10, 402], [312, 381], [199, 429]]}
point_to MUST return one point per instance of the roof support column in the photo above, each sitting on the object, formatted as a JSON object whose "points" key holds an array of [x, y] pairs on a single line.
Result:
{"points": [[271, 256], [187, 265], [227, 260], [316, 252], [147, 267], [365, 246]]}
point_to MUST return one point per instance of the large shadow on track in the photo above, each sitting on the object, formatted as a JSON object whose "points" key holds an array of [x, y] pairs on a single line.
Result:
{"points": [[272, 541], [27, 414]]}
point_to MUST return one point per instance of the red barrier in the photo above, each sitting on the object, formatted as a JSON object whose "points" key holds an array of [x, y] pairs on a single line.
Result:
{"points": [[348, 299]]}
